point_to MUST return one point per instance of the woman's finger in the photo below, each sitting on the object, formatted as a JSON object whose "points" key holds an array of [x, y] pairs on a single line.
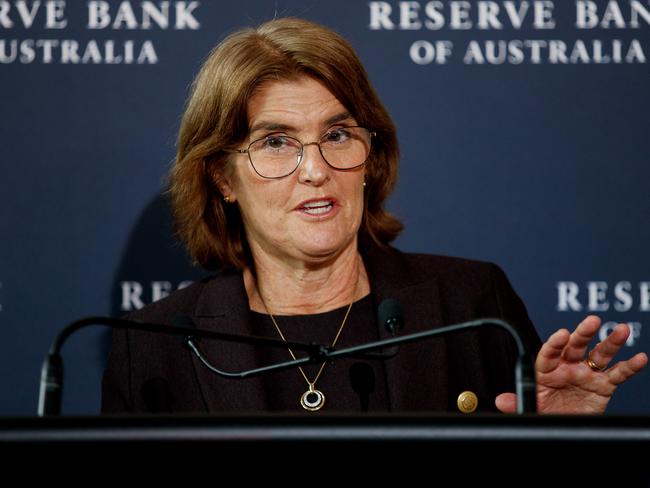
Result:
{"points": [[604, 352], [624, 370], [580, 339], [506, 402], [550, 354]]}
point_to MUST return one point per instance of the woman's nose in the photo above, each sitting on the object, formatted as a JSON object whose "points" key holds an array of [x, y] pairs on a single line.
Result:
{"points": [[313, 167]]}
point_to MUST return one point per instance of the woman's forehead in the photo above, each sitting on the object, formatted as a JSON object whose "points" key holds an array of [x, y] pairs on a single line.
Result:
{"points": [[292, 104]]}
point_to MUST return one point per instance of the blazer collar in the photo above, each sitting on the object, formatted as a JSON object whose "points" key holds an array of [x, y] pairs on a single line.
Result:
{"points": [[223, 295]]}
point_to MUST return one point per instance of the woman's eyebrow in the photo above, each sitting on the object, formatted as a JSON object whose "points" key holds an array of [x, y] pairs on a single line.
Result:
{"points": [[338, 118], [263, 125], [267, 125]]}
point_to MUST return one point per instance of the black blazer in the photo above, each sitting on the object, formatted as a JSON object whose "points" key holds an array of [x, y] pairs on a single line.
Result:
{"points": [[432, 290]]}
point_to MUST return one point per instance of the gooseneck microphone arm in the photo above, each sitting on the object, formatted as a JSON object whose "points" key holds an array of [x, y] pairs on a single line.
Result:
{"points": [[524, 371], [525, 385], [49, 399], [52, 372]]}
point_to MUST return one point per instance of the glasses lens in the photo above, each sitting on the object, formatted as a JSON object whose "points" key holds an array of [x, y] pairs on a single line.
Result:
{"points": [[275, 156], [346, 147]]}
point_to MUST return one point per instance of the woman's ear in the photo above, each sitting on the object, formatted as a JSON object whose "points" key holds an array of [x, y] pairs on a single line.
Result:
{"points": [[224, 187]]}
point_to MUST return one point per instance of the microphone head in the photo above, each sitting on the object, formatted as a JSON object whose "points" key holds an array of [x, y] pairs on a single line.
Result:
{"points": [[181, 320], [390, 314]]}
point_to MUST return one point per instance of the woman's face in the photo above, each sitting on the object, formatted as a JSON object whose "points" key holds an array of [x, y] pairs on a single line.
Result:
{"points": [[314, 213]]}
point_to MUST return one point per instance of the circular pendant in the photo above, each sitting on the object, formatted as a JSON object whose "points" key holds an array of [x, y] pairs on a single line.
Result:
{"points": [[312, 400]]}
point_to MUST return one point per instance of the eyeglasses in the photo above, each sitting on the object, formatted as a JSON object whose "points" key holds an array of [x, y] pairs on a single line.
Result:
{"points": [[276, 156]]}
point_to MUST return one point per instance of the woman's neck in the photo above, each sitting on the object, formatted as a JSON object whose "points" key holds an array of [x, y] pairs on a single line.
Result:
{"points": [[282, 288]]}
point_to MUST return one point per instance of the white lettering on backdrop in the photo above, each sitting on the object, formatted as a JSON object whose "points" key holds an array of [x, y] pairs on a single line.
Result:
{"points": [[126, 16], [506, 16]]}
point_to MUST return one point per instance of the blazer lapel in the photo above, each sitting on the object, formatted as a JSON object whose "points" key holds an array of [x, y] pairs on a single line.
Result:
{"points": [[417, 376], [223, 307]]}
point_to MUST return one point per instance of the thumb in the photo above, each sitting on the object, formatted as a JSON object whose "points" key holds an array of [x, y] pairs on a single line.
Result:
{"points": [[506, 402]]}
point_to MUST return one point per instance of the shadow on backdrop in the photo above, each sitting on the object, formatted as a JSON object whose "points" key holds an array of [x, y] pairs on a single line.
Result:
{"points": [[153, 265], [154, 262]]}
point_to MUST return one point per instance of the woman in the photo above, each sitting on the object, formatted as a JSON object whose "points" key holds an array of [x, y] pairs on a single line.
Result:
{"points": [[285, 159]]}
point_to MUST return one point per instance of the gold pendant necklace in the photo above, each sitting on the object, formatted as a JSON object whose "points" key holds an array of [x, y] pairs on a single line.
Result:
{"points": [[312, 399]]}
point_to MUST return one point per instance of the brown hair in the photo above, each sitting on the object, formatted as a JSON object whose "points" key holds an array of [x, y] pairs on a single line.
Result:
{"points": [[216, 118]]}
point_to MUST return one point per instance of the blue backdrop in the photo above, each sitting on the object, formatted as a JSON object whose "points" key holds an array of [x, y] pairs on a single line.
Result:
{"points": [[523, 129]]}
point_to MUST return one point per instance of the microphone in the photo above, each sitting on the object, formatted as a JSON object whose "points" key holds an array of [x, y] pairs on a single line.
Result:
{"points": [[49, 402], [51, 383], [186, 323], [525, 384], [362, 379], [390, 314]]}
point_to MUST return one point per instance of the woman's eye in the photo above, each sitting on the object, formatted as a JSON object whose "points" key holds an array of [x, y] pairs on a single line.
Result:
{"points": [[275, 142], [338, 135]]}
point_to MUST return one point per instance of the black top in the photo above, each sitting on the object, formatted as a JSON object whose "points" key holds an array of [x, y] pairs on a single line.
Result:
{"points": [[348, 384]]}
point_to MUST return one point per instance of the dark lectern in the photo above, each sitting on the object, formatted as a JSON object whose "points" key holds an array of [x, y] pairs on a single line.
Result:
{"points": [[521, 450], [269, 429], [265, 431]]}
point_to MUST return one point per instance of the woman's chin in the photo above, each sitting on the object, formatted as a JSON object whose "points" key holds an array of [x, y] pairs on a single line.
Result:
{"points": [[319, 253], [322, 250]]}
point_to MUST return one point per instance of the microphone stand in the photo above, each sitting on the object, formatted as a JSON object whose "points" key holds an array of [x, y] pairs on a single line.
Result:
{"points": [[52, 371], [51, 385], [525, 385]]}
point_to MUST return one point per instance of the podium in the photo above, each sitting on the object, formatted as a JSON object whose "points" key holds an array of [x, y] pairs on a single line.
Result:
{"points": [[477, 448], [258, 429]]}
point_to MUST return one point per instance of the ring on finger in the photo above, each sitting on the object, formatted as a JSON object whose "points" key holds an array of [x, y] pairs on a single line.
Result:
{"points": [[592, 364]]}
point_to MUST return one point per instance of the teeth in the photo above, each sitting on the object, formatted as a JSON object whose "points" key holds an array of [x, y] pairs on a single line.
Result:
{"points": [[320, 203], [318, 210]]}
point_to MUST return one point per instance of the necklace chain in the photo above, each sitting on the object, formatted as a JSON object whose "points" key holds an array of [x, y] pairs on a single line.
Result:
{"points": [[320, 397], [312, 399], [322, 366]]}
